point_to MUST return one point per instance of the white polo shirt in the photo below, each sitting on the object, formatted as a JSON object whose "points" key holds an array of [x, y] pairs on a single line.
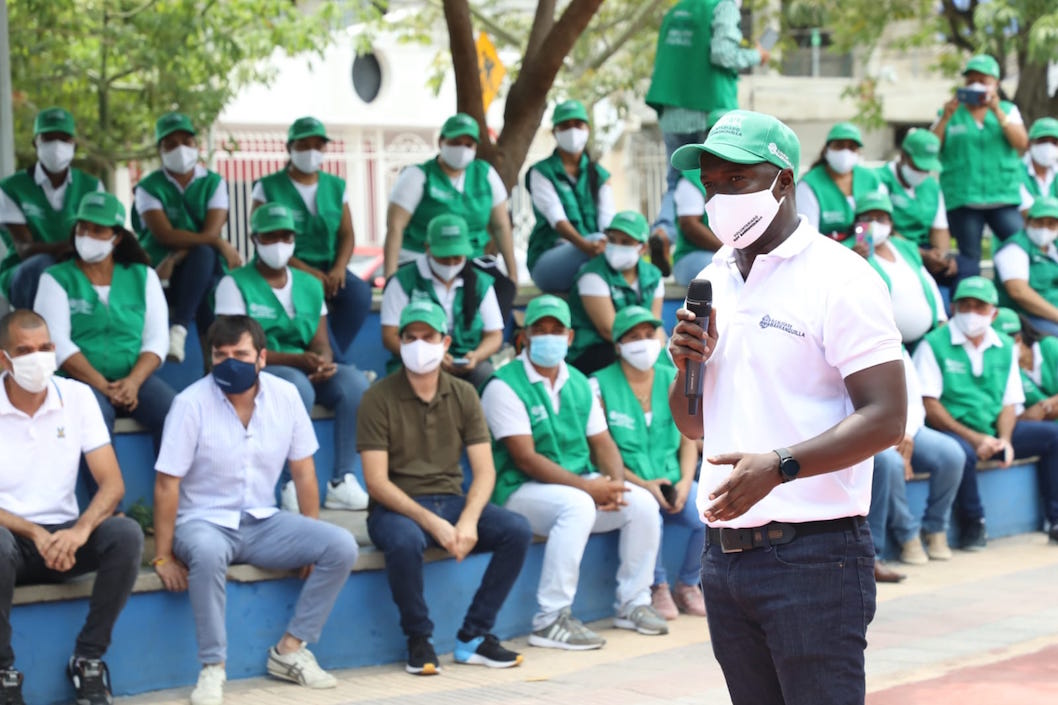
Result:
{"points": [[811, 313], [228, 468], [42, 453]]}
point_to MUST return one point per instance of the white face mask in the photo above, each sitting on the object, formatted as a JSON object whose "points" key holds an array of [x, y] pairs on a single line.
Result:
{"points": [[842, 160], [880, 232], [972, 324], [1044, 153], [307, 161], [91, 250], [421, 357], [977, 86], [55, 155], [456, 156], [738, 220], [32, 372], [640, 354], [572, 140], [446, 272], [1041, 237], [621, 257], [277, 254], [913, 177], [180, 160]]}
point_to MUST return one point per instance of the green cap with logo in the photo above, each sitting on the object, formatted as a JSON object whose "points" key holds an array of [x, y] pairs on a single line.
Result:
{"points": [[924, 149], [1044, 207], [714, 116], [447, 236], [547, 306], [982, 63], [569, 110], [101, 208], [54, 120], [845, 131], [172, 122], [271, 218], [874, 201], [1007, 321], [977, 288], [424, 311], [307, 127], [744, 137], [631, 223], [461, 125], [628, 318], [1044, 127]]}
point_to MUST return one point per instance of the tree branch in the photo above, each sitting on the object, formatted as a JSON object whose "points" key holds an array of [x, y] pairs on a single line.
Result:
{"points": [[543, 21], [955, 16], [634, 26], [465, 63]]}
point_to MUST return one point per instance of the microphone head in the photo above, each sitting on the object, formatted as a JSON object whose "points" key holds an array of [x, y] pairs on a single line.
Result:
{"points": [[700, 290]]}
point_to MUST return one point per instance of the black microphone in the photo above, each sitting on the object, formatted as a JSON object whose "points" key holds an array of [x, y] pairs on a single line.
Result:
{"points": [[700, 303]]}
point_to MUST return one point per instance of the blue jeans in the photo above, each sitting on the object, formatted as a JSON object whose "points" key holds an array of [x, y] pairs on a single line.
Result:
{"points": [[691, 568], [555, 270], [403, 541], [341, 394], [346, 312], [666, 219], [943, 459], [789, 623], [1044, 325], [888, 473], [155, 398], [688, 266], [968, 224], [190, 286], [26, 278]]}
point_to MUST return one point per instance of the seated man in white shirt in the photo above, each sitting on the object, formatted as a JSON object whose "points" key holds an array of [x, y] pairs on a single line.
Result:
{"points": [[46, 425], [225, 442]]}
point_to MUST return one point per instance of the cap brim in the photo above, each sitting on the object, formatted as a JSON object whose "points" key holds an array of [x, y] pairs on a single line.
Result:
{"points": [[547, 314], [303, 135], [926, 164], [461, 250], [461, 132]]}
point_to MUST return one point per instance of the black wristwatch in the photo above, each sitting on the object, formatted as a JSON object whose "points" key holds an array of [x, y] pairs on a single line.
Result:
{"points": [[788, 466]]}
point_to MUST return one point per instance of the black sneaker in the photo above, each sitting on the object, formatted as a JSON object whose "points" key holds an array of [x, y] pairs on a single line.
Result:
{"points": [[486, 651], [91, 681], [1052, 533], [422, 659], [973, 536], [11, 687]]}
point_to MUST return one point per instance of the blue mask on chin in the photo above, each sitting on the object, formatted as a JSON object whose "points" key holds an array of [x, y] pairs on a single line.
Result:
{"points": [[548, 350], [234, 376]]}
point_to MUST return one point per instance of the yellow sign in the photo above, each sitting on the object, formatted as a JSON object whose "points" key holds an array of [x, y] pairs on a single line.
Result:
{"points": [[490, 68]]}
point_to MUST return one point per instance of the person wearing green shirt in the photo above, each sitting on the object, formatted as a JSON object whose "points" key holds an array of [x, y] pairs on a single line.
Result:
{"points": [[1038, 359], [289, 305], [634, 395], [572, 201], [37, 206], [981, 175], [1041, 162], [1027, 266], [323, 225]]}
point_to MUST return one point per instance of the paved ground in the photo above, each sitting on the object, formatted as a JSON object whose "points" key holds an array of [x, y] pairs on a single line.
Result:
{"points": [[982, 628]]}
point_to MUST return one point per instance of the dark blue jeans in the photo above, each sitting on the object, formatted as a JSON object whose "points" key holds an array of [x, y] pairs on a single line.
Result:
{"points": [[26, 278], [967, 226], [190, 287], [666, 219], [403, 541], [346, 312], [789, 623]]}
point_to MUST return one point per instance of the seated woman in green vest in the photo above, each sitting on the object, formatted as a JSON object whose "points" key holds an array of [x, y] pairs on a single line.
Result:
{"points": [[981, 175], [1038, 360], [443, 275], [179, 213], [572, 201], [108, 318], [324, 227], [455, 181], [827, 194], [289, 304], [1041, 162], [634, 392], [1027, 266], [607, 284]]}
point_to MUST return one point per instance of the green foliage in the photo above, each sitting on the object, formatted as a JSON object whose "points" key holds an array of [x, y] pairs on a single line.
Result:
{"points": [[142, 515]]}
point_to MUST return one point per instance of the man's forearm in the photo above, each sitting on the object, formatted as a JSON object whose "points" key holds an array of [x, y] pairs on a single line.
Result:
{"points": [[17, 525]]}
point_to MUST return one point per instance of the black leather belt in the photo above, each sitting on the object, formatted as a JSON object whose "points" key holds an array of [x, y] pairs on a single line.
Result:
{"points": [[777, 533]]}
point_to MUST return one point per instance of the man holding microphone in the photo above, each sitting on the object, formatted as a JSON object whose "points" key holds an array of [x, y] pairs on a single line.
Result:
{"points": [[802, 384]]}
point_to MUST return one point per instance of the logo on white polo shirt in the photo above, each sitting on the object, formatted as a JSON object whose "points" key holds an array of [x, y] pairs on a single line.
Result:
{"points": [[262, 311], [769, 322], [618, 420], [537, 414], [60, 432], [955, 367]]}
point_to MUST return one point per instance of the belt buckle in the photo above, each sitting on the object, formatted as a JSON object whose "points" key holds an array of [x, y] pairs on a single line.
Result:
{"points": [[732, 544]]}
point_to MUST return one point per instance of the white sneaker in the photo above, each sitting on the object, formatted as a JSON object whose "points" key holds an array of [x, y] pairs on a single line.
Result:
{"points": [[299, 667], [210, 687], [288, 498], [347, 494], [177, 340]]}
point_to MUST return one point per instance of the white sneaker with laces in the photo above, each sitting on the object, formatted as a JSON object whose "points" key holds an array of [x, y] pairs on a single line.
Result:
{"points": [[299, 667], [177, 343], [288, 498], [210, 687], [347, 494]]}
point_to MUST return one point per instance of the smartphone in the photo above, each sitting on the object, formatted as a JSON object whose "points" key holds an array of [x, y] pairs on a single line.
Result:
{"points": [[970, 96], [863, 235], [769, 39], [460, 362], [669, 493]]}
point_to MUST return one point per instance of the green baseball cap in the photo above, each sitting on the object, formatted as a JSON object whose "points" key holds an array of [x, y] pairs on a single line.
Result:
{"points": [[845, 131], [977, 288], [982, 63], [874, 201], [101, 208], [1044, 127], [569, 110], [271, 218], [1007, 321], [545, 306], [424, 311], [54, 120], [628, 318], [630, 223], [447, 236], [307, 127], [744, 137], [460, 125], [1044, 207], [924, 149], [172, 122], [714, 116]]}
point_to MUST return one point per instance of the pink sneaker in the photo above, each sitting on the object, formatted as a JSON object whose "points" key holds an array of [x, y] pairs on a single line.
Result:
{"points": [[689, 599], [661, 601]]}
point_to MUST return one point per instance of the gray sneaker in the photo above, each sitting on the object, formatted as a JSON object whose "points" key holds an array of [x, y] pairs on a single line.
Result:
{"points": [[566, 632], [644, 620]]}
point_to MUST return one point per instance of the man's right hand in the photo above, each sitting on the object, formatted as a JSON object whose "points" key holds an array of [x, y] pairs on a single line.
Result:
{"points": [[654, 487], [690, 341], [172, 572], [765, 55], [608, 493], [988, 446], [229, 253], [950, 107], [311, 362]]}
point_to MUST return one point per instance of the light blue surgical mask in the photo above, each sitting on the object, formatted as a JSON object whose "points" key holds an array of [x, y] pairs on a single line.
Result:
{"points": [[548, 350]]}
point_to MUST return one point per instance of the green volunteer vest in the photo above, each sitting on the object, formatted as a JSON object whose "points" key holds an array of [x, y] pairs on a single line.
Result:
{"points": [[684, 45], [45, 224], [979, 165], [913, 210], [109, 335], [282, 333], [185, 211], [439, 197], [651, 452], [909, 251], [1048, 385], [621, 293], [316, 236], [684, 246], [558, 437], [1043, 273], [972, 401], [835, 213], [1033, 394], [577, 200], [1033, 186]]}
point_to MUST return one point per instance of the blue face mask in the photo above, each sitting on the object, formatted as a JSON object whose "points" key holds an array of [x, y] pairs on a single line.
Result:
{"points": [[234, 376], [548, 350]]}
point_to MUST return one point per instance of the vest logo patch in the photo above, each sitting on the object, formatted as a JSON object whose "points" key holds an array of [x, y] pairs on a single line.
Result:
{"points": [[440, 194], [81, 306], [769, 322], [262, 311], [899, 200], [537, 414], [31, 210], [616, 419], [837, 216], [956, 129], [955, 367]]}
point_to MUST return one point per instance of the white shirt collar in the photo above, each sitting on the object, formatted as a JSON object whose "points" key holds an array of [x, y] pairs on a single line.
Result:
{"points": [[52, 401], [199, 172], [41, 177], [534, 376], [959, 338]]}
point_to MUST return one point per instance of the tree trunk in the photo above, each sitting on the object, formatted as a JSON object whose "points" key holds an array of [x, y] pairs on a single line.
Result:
{"points": [[1031, 96]]}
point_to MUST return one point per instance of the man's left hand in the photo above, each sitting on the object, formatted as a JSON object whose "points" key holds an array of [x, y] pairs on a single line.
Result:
{"points": [[465, 539], [61, 549], [753, 476]]}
